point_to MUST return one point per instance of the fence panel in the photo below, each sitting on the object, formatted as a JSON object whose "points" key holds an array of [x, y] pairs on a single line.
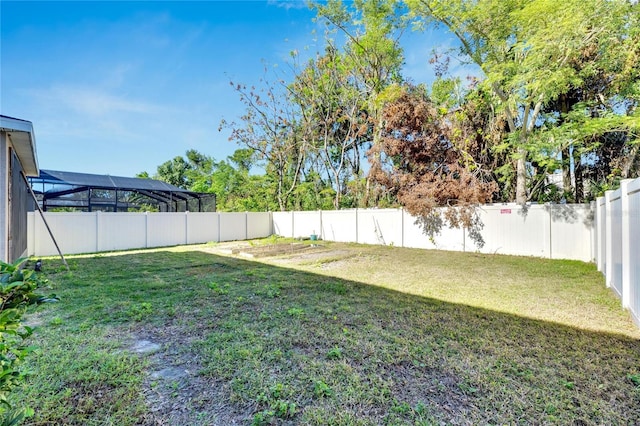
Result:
{"points": [[75, 233], [233, 226], [445, 239], [380, 226], [340, 225], [512, 229], [633, 192], [306, 223], [166, 229], [571, 229], [117, 231], [283, 223], [202, 227], [600, 231], [258, 225], [614, 271]]}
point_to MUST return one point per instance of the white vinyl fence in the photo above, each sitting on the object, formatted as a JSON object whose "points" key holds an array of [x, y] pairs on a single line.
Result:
{"points": [[551, 231], [98, 231], [617, 243]]}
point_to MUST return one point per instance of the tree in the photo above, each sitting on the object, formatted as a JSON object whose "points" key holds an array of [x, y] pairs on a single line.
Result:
{"points": [[271, 128], [419, 161], [174, 172], [372, 56], [332, 110], [595, 122], [526, 50]]}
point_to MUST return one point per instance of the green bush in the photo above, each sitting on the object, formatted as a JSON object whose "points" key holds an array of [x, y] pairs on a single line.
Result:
{"points": [[17, 291]]}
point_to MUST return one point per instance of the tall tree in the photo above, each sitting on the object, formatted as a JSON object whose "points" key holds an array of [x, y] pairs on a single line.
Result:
{"points": [[525, 48], [332, 109], [372, 54], [174, 172], [419, 160], [271, 128]]}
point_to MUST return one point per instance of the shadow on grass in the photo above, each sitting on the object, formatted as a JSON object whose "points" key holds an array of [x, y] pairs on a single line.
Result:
{"points": [[283, 346]]}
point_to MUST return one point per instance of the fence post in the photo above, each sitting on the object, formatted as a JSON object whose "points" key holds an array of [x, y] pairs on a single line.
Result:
{"points": [[550, 231], [272, 228], [146, 229], [464, 239], [626, 243], [246, 226], [594, 236], [608, 273], [401, 226], [356, 225], [186, 227], [98, 213], [600, 233]]}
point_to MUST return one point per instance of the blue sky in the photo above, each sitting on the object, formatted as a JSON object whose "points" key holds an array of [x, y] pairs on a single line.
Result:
{"points": [[120, 87]]}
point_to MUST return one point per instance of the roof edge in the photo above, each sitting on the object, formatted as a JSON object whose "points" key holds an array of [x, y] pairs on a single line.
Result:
{"points": [[24, 142]]}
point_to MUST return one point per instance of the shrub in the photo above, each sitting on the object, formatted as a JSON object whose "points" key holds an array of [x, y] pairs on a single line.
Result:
{"points": [[17, 291]]}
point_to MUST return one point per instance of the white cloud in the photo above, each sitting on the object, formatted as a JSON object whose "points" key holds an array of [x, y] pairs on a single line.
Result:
{"points": [[92, 101], [117, 76], [289, 4]]}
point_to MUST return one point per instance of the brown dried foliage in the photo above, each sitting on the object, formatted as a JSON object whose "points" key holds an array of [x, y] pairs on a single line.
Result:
{"points": [[420, 161]]}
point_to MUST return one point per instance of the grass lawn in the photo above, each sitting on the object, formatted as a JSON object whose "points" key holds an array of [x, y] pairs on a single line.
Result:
{"points": [[333, 335]]}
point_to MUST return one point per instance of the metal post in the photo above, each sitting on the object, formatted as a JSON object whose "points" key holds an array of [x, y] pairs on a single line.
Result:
{"points": [[45, 221]]}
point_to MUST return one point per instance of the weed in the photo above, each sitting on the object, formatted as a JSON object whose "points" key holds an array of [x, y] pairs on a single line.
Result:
{"points": [[219, 288], [277, 390], [283, 409], [322, 390], [139, 311], [272, 290], [566, 384], [635, 379], [401, 408], [56, 321], [334, 353], [263, 418], [295, 312], [467, 388]]}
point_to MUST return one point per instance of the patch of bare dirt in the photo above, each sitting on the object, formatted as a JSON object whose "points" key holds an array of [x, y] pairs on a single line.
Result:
{"points": [[174, 390], [321, 254], [324, 257]]}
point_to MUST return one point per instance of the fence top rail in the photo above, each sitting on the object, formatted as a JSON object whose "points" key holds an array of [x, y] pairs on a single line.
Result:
{"points": [[633, 187], [613, 195]]}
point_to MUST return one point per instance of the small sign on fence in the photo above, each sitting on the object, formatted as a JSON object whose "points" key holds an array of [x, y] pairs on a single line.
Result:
{"points": [[505, 211]]}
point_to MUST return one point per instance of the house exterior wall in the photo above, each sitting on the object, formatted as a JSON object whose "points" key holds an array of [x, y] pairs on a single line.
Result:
{"points": [[18, 207], [14, 202], [17, 158], [4, 197]]}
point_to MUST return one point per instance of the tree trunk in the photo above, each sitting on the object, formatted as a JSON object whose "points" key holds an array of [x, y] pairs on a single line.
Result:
{"points": [[579, 181], [566, 170], [521, 177], [567, 188]]}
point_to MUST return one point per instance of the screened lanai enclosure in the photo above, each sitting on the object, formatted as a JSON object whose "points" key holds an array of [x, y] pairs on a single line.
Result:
{"points": [[69, 191]]}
